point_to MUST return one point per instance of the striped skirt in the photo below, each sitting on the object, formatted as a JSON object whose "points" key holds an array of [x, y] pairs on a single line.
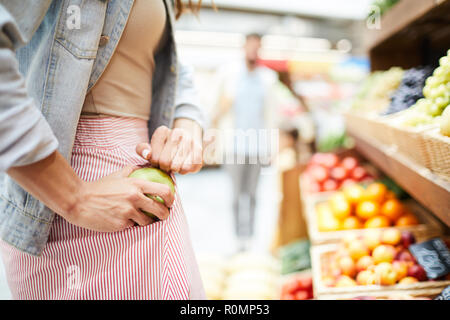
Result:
{"points": [[150, 262]]}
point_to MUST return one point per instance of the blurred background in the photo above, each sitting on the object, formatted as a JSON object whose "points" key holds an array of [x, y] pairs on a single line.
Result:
{"points": [[320, 44], [368, 57]]}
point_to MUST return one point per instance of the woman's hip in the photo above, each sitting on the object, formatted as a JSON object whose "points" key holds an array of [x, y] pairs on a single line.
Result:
{"points": [[106, 144]]}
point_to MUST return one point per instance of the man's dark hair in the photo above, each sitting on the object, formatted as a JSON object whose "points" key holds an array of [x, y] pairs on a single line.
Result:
{"points": [[253, 35]]}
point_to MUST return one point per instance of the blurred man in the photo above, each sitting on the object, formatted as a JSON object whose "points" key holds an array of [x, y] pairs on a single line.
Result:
{"points": [[243, 94]]}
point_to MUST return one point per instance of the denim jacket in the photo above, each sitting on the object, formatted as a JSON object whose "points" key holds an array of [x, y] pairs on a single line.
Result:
{"points": [[47, 65]]}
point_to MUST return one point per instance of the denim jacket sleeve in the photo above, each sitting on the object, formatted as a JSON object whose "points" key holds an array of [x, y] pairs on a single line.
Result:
{"points": [[186, 99], [25, 136]]}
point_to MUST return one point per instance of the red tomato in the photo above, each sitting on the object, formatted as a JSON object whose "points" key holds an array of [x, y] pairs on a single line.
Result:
{"points": [[287, 296], [317, 158], [290, 287], [330, 185], [359, 173], [330, 160], [302, 295], [349, 163], [305, 283], [339, 173], [347, 182], [314, 187], [367, 179], [319, 173]]}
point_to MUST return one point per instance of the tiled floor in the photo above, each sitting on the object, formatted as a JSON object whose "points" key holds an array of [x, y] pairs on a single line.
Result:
{"points": [[207, 202]]}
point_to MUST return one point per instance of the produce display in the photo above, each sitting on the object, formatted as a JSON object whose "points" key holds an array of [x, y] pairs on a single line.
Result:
{"points": [[444, 122], [295, 257], [356, 207], [326, 172], [375, 93], [376, 258], [332, 141], [213, 273], [410, 89], [391, 297], [244, 276], [298, 288], [436, 99]]}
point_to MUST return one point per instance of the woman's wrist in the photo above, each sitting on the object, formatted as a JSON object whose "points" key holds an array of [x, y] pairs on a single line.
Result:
{"points": [[191, 126], [51, 181], [70, 205]]}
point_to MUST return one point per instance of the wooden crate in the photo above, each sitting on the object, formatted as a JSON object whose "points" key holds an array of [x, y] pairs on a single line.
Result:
{"points": [[429, 226], [372, 126], [412, 143], [305, 195], [438, 149], [319, 258], [385, 295]]}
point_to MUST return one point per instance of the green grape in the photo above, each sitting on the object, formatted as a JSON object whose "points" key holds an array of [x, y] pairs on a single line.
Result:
{"points": [[417, 118], [422, 105], [440, 72], [441, 90], [426, 91], [444, 122], [442, 102], [444, 61], [434, 110], [434, 93], [432, 82]]}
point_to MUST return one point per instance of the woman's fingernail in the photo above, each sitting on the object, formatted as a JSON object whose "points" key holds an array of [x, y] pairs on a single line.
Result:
{"points": [[145, 153]]}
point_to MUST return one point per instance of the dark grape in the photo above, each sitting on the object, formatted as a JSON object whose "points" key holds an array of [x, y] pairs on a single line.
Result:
{"points": [[410, 89]]}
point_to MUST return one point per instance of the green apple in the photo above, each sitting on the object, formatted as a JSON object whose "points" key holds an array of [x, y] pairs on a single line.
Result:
{"points": [[154, 175]]}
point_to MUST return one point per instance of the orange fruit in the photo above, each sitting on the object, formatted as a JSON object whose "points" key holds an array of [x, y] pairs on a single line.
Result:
{"points": [[390, 195], [407, 219], [326, 219], [392, 209], [337, 197], [354, 193], [345, 281], [377, 222], [367, 209], [341, 209], [408, 280], [351, 223], [375, 192]]}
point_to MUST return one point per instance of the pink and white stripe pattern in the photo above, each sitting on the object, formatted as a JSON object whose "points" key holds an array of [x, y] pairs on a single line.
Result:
{"points": [[151, 262]]}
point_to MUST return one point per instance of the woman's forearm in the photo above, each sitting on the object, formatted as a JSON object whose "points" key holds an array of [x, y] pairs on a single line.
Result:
{"points": [[51, 181], [111, 203]]}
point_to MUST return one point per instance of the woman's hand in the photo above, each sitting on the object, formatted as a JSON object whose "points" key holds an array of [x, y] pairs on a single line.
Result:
{"points": [[113, 203], [175, 150], [109, 204]]}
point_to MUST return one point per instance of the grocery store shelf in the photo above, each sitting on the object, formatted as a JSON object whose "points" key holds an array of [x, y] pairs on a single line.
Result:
{"points": [[410, 33], [399, 17], [427, 188]]}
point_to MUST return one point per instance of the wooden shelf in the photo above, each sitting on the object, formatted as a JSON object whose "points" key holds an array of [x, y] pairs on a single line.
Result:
{"points": [[427, 188], [412, 33]]}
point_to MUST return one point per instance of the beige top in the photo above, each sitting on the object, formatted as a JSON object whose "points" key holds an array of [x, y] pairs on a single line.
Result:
{"points": [[125, 87]]}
